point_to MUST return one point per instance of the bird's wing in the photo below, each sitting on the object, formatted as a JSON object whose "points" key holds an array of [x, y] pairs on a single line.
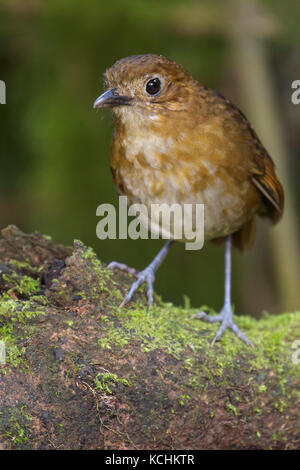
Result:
{"points": [[263, 176], [262, 168], [260, 164]]}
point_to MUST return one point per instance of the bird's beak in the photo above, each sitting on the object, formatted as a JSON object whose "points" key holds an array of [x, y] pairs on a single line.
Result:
{"points": [[110, 99]]}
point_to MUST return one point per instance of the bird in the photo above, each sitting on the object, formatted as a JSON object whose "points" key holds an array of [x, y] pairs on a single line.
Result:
{"points": [[178, 141]]}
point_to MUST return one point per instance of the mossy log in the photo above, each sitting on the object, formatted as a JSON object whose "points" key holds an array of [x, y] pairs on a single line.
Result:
{"points": [[82, 374]]}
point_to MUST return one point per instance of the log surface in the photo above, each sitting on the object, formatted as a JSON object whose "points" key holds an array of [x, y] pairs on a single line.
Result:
{"points": [[82, 374]]}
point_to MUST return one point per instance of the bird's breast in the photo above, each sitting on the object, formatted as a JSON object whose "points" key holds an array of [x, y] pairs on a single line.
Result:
{"points": [[155, 169]]}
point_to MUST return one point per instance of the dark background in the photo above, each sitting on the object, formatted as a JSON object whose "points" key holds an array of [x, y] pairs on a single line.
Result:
{"points": [[54, 147]]}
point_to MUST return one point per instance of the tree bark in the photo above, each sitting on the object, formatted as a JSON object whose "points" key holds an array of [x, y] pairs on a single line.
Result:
{"points": [[82, 374]]}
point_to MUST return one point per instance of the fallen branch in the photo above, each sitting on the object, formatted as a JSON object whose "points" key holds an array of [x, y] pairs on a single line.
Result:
{"points": [[82, 374]]}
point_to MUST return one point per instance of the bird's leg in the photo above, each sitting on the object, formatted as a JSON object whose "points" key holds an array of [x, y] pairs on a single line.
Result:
{"points": [[225, 317], [147, 275]]}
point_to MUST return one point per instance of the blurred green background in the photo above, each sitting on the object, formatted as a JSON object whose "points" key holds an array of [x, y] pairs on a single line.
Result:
{"points": [[54, 147]]}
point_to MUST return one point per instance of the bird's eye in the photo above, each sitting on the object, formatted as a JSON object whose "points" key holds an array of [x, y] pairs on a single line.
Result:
{"points": [[153, 86]]}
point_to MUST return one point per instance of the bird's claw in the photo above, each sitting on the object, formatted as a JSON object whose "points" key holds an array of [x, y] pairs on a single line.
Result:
{"points": [[147, 275], [225, 317], [123, 267]]}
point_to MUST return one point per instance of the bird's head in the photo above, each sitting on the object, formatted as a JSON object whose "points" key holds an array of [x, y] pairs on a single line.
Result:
{"points": [[149, 86]]}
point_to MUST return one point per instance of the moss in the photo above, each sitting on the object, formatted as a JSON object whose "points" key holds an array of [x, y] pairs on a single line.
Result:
{"points": [[116, 339], [163, 327], [24, 266], [171, 330], [107, 382], [99, 268], [25, 286], [85, 277], [232, 408], [16, 313], [18, 428], [280, 406], [183, 399]]}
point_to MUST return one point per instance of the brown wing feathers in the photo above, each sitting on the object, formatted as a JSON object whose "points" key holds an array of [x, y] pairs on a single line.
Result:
{"points": [[269, 186]]}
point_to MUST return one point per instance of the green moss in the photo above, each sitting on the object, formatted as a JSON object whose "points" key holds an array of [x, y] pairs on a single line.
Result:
{"points": [[161, 328], [232, 408], [15, 310], [19, 426], [116, 338], [16, 313], [101, 271], [280, 406], [168, 328], [24, 266], [102, 287], [189, 363], [183, 399], [107, 382], [117, 294], [171, 329], [24, 285]]}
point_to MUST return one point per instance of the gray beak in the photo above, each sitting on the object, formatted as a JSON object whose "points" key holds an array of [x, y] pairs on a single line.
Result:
{"points": [[110, 99]]}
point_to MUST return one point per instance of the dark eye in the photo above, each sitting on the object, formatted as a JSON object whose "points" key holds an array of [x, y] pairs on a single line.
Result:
{"points": [[153, 86]]}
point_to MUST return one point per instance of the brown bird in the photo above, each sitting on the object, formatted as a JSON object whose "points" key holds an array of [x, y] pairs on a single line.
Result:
{"points": [[176, 141]]}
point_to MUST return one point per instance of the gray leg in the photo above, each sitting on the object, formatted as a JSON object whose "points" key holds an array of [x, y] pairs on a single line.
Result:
{"points": [[147, 275], [225, 317]]}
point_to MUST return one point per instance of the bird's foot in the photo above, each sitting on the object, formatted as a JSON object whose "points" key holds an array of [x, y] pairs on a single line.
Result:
{"points": [[147, 275], [225, 317]]}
